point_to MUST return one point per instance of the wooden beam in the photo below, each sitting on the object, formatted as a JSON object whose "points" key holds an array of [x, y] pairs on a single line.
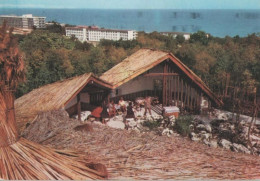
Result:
{"points": [[160, 74]]}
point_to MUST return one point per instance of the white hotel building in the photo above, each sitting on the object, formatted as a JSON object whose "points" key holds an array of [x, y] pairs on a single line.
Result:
{"points": [[94, 33], [26, 21]]}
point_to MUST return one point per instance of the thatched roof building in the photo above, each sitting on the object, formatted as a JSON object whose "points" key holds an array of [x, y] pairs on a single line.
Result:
{"points": [[177, 79], [65, 94]]}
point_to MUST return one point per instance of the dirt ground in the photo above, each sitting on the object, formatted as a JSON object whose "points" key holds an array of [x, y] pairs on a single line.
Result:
{"points": [[132, 155]]}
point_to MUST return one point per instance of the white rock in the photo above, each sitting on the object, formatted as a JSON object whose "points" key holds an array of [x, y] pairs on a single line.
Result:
{"points": [[203, 132], [116, 124], [225, 144], [201, 127], [84, 115], [132, 123], [223, 116], [206, 136], [172, 118], [240, 148], [213, 144], [195, 137], [139, 121], [167, 132], [208, 128]]}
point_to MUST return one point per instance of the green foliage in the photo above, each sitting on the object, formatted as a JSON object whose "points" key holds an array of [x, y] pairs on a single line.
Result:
{"points": [[201, 37], [180, 39], [182, 125], [50, 56], [55, 28], [151, 124], [129, 44]]}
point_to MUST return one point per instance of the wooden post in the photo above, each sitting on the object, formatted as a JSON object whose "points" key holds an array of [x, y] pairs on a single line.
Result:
{"points": [[190, 103], [192, 98], [164, 78], [79, 106], [185, 97], [178, 90], [197, 100], [170, 86], [166, 86], [182, 102], [188, 96], [175, 90]]}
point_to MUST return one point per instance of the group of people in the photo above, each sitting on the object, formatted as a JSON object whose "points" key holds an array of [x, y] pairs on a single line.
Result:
{"points": [[107, 111]]}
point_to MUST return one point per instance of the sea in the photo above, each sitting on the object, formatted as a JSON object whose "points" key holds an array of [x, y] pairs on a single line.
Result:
{"points": [[219, 23]]}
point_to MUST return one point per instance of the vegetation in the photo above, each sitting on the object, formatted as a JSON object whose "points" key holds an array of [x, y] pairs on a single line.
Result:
{"points": [[182, 125], [151, 124], [224, 64]]}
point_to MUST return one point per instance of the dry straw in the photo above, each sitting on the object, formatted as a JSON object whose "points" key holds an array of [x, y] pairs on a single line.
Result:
{"points": [[21, 159]]}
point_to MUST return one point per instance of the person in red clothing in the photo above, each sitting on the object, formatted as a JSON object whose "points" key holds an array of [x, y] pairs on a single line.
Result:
{"points": [[96, 113]]}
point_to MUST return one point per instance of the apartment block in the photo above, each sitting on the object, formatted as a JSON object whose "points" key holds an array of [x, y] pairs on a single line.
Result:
{"points": [[94, 33], [26, 21]]}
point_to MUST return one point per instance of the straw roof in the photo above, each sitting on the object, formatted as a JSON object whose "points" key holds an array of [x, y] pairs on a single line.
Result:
{"points": [[51, 97], [145, 59]]}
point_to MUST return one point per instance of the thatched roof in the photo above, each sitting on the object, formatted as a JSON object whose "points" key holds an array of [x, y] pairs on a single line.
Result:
{"points": [[145, 59], [51, 97]]}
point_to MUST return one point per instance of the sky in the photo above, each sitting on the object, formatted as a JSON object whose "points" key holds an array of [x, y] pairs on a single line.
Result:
{"points": [[133, 4]]}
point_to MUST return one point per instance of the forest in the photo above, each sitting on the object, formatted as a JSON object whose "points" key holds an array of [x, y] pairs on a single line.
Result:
{"points": [[229, 66]]}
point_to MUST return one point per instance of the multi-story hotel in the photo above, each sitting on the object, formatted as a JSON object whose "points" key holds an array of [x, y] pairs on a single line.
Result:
{"points": [[27, 21], [94, 33]]}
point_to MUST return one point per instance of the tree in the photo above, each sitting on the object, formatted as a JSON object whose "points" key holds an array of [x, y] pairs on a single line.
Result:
{"points": [[201, 37], [55, 28], [21, 159], [180, 39]]}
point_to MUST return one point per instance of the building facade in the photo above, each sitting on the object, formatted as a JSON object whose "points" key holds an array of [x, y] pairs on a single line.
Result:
{"points": [[27, 21], [94, 33], [160, 74]]}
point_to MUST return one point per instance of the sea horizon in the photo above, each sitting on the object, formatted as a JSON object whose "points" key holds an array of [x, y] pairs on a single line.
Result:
{"points": [[217, 22]]}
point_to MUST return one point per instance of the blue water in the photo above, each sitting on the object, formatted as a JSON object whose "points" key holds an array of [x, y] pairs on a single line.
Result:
{"points": [[216, 22]]}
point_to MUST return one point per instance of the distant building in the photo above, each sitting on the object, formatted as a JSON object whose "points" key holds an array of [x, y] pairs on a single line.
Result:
{"points": [[175, 34], [94, 33], [26, 21]]}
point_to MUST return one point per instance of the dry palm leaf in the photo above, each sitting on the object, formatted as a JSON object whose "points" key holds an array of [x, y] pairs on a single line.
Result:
{"points": [[21, 159]]}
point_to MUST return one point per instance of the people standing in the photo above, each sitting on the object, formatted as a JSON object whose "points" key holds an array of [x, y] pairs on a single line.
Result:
{"points": [[111, 109], [148, 105], [122, 104], [130, 113]]}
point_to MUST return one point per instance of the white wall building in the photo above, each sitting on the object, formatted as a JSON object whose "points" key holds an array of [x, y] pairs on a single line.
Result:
{"points": [[26, 21], [94, 33]]}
